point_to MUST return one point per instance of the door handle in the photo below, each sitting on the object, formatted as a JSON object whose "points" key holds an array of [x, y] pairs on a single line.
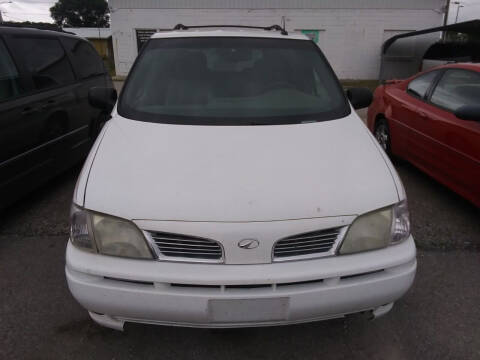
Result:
{"points": [[48, 104], [422, 115], [29, 110], [407, 107]]}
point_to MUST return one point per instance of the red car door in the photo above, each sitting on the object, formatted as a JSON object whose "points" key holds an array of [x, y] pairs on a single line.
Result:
{"points": [[455, 143], [402, 100], [417, 148]]}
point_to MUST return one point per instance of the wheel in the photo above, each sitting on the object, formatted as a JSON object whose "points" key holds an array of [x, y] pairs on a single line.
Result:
{"points": [[382, 134]]}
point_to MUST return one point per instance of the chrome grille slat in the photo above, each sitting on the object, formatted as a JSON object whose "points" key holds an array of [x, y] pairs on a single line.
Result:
{"points": [[314, 237], [193, 240], [312, 243], [178, 247], [174, 248], [188, 252], [165, 243], [302, 250], [306, 246], [326, 240]]}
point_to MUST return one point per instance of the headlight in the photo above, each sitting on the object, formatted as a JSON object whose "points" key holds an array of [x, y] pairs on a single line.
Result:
{"points": [[377, 229], [107, 235], [80, 229], [401, 222]]}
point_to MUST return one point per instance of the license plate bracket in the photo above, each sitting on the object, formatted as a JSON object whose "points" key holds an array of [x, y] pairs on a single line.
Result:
{"points": [[248, 310]]}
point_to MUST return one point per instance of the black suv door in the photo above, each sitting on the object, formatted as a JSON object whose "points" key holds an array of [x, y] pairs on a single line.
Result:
{"points": [[17, 124], [90, 72], [11, 88], [40, 120]]}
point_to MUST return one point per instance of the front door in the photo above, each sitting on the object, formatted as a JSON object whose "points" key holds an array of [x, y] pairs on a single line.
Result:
{"points": [[33, 126], [412, 119], [456, 142], [18, 124]]}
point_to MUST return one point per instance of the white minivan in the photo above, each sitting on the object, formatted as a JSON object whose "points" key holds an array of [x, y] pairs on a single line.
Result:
{"points": [[235, 186]]}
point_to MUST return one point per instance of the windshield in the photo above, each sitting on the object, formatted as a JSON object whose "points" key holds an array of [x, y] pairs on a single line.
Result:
{"points": [[232, 81]]}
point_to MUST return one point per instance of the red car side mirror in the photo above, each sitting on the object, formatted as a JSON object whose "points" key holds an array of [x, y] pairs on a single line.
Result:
{"points": [[468, 112]]}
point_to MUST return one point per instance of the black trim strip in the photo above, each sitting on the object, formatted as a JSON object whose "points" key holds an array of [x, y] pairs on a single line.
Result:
{"points": [[42, 145]]}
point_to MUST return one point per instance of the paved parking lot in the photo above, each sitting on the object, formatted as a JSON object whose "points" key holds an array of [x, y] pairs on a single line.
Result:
{"points": [[438, 319]]}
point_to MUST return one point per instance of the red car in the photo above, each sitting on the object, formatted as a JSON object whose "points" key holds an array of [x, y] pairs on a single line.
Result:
{"points": [[433, 120]]}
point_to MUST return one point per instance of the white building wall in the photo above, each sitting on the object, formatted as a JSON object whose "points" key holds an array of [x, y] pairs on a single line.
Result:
{"points": [[277, 4], [351, 38]]}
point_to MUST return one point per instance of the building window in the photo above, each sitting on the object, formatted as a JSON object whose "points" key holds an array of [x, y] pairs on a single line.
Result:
{"points": [[143, 35]]}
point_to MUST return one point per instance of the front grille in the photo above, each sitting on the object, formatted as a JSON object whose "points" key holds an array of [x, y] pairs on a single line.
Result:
{"points": [[187, 247], [315, 242]]}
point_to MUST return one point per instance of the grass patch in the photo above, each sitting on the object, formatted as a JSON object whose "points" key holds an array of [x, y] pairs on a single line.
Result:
{"points": [[370, 84]]}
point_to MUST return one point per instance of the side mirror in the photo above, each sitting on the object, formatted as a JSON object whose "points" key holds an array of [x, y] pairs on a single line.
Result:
{"points": [[102, 98], [360, 97], [468, 112]]}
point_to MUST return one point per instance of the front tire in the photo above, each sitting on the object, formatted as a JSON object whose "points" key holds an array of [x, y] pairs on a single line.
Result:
{"points": [[382, 134]]}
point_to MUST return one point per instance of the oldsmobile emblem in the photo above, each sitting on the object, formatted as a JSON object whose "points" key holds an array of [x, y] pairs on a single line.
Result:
{"points": [[248, 244]]}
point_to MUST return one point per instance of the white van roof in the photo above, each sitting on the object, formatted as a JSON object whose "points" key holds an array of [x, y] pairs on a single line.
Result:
{"points": [[228, 32]]}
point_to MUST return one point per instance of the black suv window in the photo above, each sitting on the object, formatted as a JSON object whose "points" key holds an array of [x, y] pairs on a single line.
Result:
{"points": [[232, 81], [85, 59], [9, 79], [46, 60], [420, 85], [457, 88]]}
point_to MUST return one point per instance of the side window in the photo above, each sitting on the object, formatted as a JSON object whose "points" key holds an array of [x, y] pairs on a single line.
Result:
{"points": [[45, 60], [9, 78], [419, 86], [457, 88], [85, 59]]}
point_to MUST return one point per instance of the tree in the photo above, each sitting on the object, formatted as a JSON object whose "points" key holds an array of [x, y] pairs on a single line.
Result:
{"points": [[81, 13]]}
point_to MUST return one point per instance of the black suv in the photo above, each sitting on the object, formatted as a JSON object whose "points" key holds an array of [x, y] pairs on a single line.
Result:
{"points": [[46, 121]]}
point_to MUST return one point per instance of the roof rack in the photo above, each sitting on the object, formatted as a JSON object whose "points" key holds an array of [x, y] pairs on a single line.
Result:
{"points": [[35, 27], [267, 28]]}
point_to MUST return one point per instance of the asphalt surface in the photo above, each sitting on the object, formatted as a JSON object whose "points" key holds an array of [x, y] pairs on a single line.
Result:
{"points": [[439, 318]]}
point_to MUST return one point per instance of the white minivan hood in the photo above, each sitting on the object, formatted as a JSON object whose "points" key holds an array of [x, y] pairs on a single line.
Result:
{"points": [[158, 171]]}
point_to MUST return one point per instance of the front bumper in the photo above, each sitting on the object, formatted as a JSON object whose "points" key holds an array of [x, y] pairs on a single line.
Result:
{"points": [[116, 290]]}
